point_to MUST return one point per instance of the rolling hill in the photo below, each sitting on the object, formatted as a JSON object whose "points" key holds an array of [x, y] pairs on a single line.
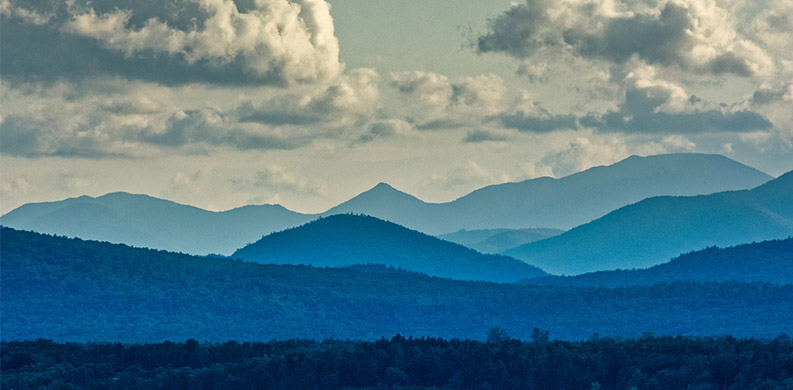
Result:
{"points": [[559, 203], [342, 240], [654, 230], [73, 290], [767, 261], [144, 221]]}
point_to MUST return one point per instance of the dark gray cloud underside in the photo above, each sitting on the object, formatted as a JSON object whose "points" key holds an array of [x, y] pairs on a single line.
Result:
{"points": [[771, 94], [277, 115], [512, 32], [476, 136], [636, 117], [663, 39], [535, 124], [18, 138], [195, 127], [680, 123], [30, 52], [23, 138], [656, 39], [442, 124], [280, 118]]}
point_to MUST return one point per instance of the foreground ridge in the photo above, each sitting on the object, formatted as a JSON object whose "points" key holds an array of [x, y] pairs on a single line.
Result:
{"points": [[420, 363], [73, 290]]}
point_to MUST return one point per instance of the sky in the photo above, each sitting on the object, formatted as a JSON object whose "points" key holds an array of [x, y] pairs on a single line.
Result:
{"points": [[306, 103]]}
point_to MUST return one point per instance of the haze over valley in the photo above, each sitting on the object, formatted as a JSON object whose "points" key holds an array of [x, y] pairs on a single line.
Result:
{"points": [[372, 194]]}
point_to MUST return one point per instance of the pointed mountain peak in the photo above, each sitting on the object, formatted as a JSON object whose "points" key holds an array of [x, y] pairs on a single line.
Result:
{"points": [[384, 190], [382, 200], [384, 187]]}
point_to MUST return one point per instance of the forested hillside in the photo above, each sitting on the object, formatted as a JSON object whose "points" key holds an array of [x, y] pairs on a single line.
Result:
{"points": [[343, 240], [768, 261], [73, 290], [657, 229]]}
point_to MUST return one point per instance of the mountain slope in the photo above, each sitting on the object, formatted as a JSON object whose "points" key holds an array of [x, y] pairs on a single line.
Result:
{"points": [[145, 221], [498, 240], [344, 239], [385, 200], [74, 290], [767, 261], [560, 203], [656, 229]]}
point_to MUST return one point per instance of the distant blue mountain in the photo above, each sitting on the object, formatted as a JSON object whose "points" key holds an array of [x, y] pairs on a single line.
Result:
{"points": [[498, 240], [144, 221], [141, 220], [656, 229], [559, 203], [344, 240], [767, 261]]}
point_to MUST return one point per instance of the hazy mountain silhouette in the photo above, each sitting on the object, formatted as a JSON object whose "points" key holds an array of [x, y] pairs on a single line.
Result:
{"points": [[388, 202], [74, 290], [498, 240], [767, 261], [141, 220], [559, 203], [656, 229], [344, 240]]}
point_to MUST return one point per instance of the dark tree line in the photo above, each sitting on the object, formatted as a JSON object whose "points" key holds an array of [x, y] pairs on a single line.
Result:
{"points": [[648, 363]]}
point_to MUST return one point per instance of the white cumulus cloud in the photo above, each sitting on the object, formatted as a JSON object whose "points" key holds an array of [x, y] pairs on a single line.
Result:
{"points": [[291, 40]]}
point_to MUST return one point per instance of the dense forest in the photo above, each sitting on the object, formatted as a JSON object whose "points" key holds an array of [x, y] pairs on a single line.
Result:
{"points": [[767, 261], [73, 290], [647, 363]]}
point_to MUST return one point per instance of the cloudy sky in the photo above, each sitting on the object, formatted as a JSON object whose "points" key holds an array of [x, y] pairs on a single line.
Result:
{"points": [[221, 103]]}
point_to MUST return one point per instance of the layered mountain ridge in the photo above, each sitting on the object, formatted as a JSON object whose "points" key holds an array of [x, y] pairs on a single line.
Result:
{"points": [[656, 229], [73, 290], [538, 203], [560, 203], [767, 261], [145, 221]]}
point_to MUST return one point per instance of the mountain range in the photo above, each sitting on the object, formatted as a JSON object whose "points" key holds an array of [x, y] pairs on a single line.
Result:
{"points": [[559, 203], [145, 221], [74, 290], [656, 229], [563, 203], [767, 261], [343, 240]]}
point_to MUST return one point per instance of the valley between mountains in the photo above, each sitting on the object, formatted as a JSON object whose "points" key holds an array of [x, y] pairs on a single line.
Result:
{"points": [[673, 244]]}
